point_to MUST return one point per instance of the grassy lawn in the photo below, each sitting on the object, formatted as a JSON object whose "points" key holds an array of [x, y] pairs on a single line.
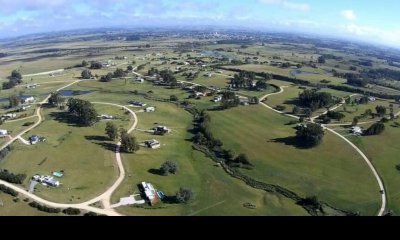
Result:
{"points": [[21, 208], [383, 151], [333, 171], [82, 152], [216, 193]]}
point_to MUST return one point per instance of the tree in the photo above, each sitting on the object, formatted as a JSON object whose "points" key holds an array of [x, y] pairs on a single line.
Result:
{"points": [[375, 129], [14, 101], [96, 65], [107, 78], [173, 98], [310, 135], [86, 74], [56, 99], [242, 159], [83, 111], [130, 68], [321, 60], [355, 121], [261, 84], [168, 167], [381, 110], [128, 142], [111, 131], [184, 195], [15, 74], [296, 110], [119, 73], [84, 63]]}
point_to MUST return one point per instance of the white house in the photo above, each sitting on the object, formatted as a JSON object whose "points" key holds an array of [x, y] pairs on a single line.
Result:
{"points": [[150, 192], [29, 100], [150, 109], [372, 99], [46, 180], [10, 115], [3, 133]]}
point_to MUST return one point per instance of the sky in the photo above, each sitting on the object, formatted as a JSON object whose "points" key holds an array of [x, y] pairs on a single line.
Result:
{"points": [[368, 20]]}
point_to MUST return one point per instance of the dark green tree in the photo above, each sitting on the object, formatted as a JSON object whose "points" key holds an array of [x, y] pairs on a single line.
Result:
{"points": [[168, 167], [310, 135], [184, 195], [129, 143], [83, 111], [111, 131], [14, 101], [86, 74], [56, 99], [375, 129]]}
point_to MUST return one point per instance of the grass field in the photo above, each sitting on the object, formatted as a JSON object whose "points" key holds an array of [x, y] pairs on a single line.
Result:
{"points": [[216, 193], [20, 208], [83, 153], [333, 171], [383, 151]]}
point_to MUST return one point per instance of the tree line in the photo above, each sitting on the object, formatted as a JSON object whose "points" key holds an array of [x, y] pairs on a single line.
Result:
{"points": [[10, 177]]}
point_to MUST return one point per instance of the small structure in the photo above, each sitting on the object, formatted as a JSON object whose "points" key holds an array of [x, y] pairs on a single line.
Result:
{"points": [[24, 108], [36, 139], [208, 75], [161, 130], [150, 109], [244, 101], [199, 94], [356, 130], [105, 117], [372, 99], [3, 133], [137, 103], [139, 79], [153, 144], [150, 192], [217, 99], [32, 86], [58, 174]]}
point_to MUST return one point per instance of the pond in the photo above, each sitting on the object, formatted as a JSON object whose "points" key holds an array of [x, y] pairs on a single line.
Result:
{"points": [[70, 93]]}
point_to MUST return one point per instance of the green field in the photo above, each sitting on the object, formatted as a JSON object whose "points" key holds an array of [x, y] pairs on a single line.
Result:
{"points": [[216, 193], [83, 153], [383, 151], [10, 208], [333, 171]]}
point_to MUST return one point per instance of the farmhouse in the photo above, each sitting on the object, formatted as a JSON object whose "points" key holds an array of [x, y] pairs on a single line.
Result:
{"points": [[372, 99], [150, 193], [36, 139], [3, 133], [150, 109], [28, 100], [153, 144]]}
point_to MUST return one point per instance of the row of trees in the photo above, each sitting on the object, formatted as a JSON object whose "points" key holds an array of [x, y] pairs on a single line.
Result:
{"points": [[11, 177]]}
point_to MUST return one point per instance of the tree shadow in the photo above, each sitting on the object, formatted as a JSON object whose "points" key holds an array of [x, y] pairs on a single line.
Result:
{"points": [[97, 138], [293, 101], [156, 172], [291, 141], [108, 146], [65, 117]]}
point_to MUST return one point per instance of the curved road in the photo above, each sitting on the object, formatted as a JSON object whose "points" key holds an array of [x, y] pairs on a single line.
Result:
{"points": [[370, 165]]}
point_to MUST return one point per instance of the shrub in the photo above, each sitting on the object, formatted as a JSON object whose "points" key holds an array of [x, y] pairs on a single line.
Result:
{"points": [[375, 129], [71, 211], [44, 208], [184, 195], [168, 167], [8, 190], [11, 177]]}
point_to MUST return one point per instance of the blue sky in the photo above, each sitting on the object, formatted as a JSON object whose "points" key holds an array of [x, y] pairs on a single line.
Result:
{"points": [[371, 20]]}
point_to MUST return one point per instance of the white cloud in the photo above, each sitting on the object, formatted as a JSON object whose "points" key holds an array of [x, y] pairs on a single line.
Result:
{"points": [[348, 14], [373, 34], [288, 4]]}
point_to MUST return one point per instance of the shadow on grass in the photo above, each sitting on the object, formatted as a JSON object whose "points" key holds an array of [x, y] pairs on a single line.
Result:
{"points": [[291, 141], [156, 172], [293, 101], [108, 146], [97, 138], [65, 117]]}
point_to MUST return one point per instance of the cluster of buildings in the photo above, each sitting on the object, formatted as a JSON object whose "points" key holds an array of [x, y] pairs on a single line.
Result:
{"points": [[46, 180]]}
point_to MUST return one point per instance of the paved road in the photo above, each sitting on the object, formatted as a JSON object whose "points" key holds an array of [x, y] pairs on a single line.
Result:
{"points": [[370, 165]]}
